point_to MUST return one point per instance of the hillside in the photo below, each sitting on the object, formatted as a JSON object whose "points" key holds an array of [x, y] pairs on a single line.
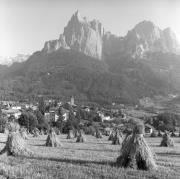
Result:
{"points": [[95, 65], [65, 72]]}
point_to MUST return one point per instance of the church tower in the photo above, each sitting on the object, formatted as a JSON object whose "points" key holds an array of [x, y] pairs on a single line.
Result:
{"points": [[72, 101]]}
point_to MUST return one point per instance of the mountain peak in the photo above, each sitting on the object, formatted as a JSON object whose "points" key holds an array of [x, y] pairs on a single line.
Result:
{"points": [[90, 38], [77, 14], [77, 17], [145, 23], [146, 28]]}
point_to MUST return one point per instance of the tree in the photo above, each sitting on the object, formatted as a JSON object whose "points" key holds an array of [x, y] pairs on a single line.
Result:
{"points": [[41, 106], [42, 124], [24, 120], [3, 123], [167, 121], [55, 103], [28, 120], [33, 122]]}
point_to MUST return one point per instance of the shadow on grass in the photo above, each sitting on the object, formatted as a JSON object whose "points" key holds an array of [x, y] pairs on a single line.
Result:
{"points": [[95, 150], [87, 142], [69, 141], [38, 145], [168, 154], [98, 143], [155, 145], [73, 161]]}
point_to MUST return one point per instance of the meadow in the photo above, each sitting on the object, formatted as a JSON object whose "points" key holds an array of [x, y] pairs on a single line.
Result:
{"points": [[93, 159]]}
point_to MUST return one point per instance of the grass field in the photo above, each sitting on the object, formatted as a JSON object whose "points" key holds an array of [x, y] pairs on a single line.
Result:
{"points": [[93, 159]]}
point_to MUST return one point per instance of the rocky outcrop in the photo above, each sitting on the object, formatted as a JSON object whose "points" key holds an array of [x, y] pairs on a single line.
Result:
{"points": [[147, 37], [53, 45], [81, 35], [90, 38]]}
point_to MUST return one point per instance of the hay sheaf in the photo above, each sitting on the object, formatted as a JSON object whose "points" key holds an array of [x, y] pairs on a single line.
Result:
{"points": [[70, 134], [167, 141], [98, 134], [135, 152], [173, 134], [80, 137], [36, 132], [13, 127], [23, 133], [111, 136], [160, 133], [76, 133], [52, 140], [117, 140], [16, 146]]}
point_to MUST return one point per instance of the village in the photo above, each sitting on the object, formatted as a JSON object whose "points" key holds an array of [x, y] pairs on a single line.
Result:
{"points": [[118, 116], [49, 129]]}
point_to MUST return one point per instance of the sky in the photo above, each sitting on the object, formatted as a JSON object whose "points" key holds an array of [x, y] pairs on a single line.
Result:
{"points": [[25, 25]]}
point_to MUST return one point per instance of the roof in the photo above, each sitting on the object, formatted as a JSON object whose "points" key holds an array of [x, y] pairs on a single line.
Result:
{"points": [[10, 111], [149, 126]]}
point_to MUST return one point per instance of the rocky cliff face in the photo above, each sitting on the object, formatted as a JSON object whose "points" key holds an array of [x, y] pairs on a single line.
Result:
{"points": [[81, 35], [90, 38], [147, 37]]}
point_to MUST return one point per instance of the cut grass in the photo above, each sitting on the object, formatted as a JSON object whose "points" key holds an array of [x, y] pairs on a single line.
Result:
{"points": [[93, 159]]}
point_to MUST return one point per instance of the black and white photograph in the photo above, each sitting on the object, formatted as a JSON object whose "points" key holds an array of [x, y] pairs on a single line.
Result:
{"points": [[89, 89]]}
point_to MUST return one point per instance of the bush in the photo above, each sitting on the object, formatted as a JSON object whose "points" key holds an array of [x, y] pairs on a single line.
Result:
{"points": [[89, 130], [28, 120], [3, 123], [167, 121]]}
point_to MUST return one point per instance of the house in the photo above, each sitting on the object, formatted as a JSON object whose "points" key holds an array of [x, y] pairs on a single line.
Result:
{"points": [[149, 129], [104, 117], [65, 114], [72, 101], [47, 116], [16, 107], [86, 108], [11, 112]]}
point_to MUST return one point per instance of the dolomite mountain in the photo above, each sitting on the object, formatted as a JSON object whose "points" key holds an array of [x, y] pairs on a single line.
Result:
{"points": [[80, 35], [94, 65], [90, 38]]}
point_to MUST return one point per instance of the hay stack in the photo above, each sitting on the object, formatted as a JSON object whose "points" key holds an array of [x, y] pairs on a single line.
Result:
{"points": [[70, 134], [13, 127], [128, 136], [76, 133], [80, 137], [111, 136], [23, 133], [41, 132], [107, 131], [98, 134], [52, 140], [117, 140], [94, 133], [36, 132], [16, 146], [173, 134], [167, 141], [57, 131], [159, 133], [135, 152]]}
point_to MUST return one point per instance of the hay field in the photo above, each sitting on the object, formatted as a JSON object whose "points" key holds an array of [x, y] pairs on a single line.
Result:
{"points": [[93, 159]]}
